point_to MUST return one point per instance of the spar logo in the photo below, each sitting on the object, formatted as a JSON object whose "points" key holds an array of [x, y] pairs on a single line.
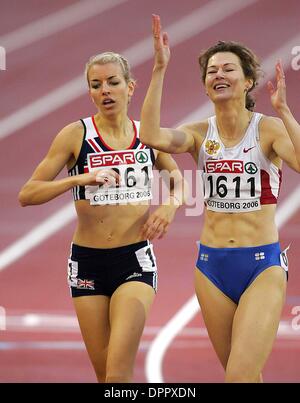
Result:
{"points": [[141, 157], [225, 166], [250, 168], [97, 160]]}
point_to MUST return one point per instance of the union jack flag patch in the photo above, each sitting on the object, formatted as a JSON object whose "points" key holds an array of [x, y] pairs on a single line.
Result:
{"points": [[85, 284]]}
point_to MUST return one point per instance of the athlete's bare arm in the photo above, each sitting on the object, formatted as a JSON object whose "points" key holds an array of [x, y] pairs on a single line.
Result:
{"points": [[286, 141], [41, 187], [168, 140], [281, 142]]}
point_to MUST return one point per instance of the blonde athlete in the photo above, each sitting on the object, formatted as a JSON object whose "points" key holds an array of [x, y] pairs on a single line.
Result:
{"points": [[112, 270], [239, 278]]}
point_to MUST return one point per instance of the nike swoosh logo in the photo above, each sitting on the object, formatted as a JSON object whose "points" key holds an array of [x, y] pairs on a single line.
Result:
{"points": [[248, 149]]}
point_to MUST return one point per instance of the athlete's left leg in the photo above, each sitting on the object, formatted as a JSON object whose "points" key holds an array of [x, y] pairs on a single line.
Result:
{"points": [[255, 325]]}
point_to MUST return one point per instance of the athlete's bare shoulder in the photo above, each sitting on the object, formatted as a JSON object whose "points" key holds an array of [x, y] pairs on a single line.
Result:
{"points": [[272, 123], [71, 135], [69, 141], [72, 130], [270, 127]]}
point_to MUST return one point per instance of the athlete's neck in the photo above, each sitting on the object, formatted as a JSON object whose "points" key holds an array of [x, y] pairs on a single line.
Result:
{"points": [[117, 127], [232, 122]]}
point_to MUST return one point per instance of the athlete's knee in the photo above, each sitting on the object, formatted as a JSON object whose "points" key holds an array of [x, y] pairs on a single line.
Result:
{"points": [[101, 377], [100, 374], [99, 366], [119, 377], [240, 374], [118, 372]]}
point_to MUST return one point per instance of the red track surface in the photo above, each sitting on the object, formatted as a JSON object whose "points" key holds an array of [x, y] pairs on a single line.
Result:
{"points": [[37, 281]]}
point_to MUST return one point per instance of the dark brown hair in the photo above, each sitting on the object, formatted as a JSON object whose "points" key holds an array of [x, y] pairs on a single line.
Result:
{"points": [[249, 63]]}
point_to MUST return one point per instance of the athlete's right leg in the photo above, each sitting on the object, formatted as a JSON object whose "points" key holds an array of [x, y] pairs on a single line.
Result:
{"points": [[129, 308], [93, 317], [218, 312]]}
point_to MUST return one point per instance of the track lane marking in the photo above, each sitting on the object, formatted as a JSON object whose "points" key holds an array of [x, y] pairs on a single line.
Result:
{"points": [[55, 22], [183, 29]]}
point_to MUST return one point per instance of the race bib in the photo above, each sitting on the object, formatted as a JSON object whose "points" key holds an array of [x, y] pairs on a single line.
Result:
{"points": [[146, 258], [72, 273], [136, 174], [232, 186]]}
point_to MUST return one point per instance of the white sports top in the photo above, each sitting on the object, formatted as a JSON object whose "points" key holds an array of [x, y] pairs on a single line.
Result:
{"points": [[240, 178]]}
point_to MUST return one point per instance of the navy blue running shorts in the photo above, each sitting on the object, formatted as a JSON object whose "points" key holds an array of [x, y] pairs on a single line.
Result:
{"points": [[93, 271]]}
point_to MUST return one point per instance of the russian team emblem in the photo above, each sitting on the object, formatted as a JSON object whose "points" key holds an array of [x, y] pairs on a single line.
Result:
{"points": [[212, 147]]}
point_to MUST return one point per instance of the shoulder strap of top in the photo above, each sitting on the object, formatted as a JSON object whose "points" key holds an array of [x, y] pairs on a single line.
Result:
{"points": [[137, 127], [255, 123], [90, 129]]}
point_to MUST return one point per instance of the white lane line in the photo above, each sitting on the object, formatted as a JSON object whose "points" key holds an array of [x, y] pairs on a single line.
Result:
{"points": [[185, 28], [52, 345], [198, 21], [168, 332], [36, 236], [154, 358], [55, 22], [286, 210], [68, 345], [45, 322], [290, 339], [43, 106]]}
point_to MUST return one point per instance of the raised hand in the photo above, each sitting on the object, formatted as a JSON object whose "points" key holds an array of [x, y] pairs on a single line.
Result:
{"points": [[278, 94], [161, 43]]}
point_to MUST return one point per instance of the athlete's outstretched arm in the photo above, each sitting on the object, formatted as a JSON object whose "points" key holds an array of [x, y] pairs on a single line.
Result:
{"points": [[286, 144], [167, 140]]}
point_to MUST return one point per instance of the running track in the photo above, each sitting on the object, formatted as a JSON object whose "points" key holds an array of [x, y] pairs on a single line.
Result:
{"points": [[42, 341]]}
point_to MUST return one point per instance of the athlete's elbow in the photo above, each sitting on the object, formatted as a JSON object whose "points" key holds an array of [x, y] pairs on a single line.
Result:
{"points": [[23, 199], [144, 138], [148, 142], [26, 197]]}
